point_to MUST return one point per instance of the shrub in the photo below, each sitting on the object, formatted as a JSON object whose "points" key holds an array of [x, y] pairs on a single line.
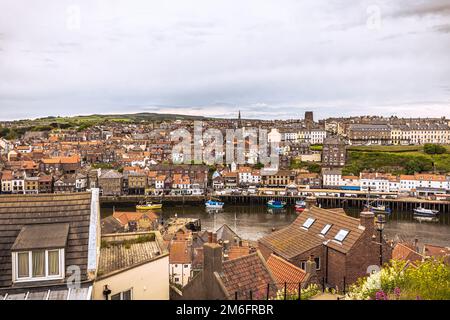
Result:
{"points": [[429, 280]]}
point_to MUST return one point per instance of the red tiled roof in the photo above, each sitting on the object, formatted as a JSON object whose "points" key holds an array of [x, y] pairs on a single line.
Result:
{"points": [[180, 252], [125, 217], [436, 251], [403, 251], [285, 271], [245, 274], [236, 252]]}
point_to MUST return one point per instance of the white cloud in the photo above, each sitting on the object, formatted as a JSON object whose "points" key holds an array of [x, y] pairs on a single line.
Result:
{"points": [[269, 59]]}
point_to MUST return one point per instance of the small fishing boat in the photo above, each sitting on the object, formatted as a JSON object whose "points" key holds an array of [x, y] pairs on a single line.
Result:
{"points": [[149, 206], [378, 207], [422, 212], [211, 204], [300, 206], [275, 204]]}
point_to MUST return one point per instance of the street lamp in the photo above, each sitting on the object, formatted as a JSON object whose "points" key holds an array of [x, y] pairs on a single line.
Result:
{"points": [[380, 222]]}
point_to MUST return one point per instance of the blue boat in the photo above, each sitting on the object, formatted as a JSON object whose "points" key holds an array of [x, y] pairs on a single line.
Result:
{"points": [[275, 204], [210, 204]]}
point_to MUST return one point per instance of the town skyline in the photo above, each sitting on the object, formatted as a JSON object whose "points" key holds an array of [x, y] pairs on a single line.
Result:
{"points": [[230, 116]]}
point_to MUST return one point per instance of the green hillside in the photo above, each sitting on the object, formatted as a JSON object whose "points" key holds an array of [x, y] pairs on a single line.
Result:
{"points": [[395, 159]]}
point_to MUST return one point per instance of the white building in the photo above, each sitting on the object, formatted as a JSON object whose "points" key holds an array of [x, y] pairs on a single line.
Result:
{"points": [[377, 182], [331, 178], [247, 176], [421, 134], [313, 136], [180, 262], [133, 270], [425, 181]]}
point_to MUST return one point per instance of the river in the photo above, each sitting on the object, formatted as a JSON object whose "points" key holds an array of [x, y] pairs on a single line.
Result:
{"points": [[254, 221]]}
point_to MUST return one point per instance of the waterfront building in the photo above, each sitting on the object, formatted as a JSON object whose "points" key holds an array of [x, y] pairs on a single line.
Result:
{"points": [[31, 185], [378, 182], [248, 176], [280, 178], [110, 183], [424, 184], [331, 178]]}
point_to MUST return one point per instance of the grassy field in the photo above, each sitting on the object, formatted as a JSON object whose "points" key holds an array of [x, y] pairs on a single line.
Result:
{"points": [[395, 159]]}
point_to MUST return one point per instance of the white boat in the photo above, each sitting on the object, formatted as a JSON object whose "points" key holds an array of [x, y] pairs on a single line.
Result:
{"points": [[425, 212], [210, 204]]}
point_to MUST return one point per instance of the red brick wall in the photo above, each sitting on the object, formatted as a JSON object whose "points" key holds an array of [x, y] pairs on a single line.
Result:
{"points": [[336, 268]]}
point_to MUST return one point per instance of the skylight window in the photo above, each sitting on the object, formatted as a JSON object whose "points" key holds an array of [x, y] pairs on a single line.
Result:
{"points": [[340, 236], [325, 229], [308, 222]]}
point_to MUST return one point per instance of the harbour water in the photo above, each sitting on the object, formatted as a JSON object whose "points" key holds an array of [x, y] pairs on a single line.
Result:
{"points": [[254, 221]]}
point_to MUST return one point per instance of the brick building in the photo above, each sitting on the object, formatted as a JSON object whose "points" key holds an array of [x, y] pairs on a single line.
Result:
{"points": [[334, 152], [342, 247], [110, 183]]}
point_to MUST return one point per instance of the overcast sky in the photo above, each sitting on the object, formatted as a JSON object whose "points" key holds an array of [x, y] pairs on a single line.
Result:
{"points": [[270, 59]]}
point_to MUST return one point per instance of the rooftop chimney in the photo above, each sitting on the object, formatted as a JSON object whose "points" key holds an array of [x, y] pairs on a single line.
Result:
{"points": [[210, 239], [367, 220], [212, 257], [310, 202]]}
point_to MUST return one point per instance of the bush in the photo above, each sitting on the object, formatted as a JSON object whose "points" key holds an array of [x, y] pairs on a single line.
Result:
{"points": [[430, 280], [430, 148], [306, 293]]}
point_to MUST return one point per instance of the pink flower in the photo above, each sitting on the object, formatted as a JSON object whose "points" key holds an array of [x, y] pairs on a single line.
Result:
{"points": [[380, 295]]}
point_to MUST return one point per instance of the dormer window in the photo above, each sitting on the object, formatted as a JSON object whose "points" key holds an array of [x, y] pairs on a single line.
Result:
{"points": [[308, 223], [38, 265], [38, 252]]}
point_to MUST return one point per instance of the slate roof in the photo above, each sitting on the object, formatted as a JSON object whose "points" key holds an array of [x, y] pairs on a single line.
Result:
{"points": [[226, 233], [119, 257], [42, 236], [245, 274], [17, 211], [294, 240]]}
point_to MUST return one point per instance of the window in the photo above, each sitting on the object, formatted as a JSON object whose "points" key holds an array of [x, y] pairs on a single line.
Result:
{"points": [[308, 222], [303, 265], [186, 265], [124, 295], [325, 229], [317, 261], [38, 265], [340, 236]]}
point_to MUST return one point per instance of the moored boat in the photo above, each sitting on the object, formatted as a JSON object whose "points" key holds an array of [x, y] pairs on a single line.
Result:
{"points": [[300, 206], [275, 204], [425, 212], [149, 206], [378, 208], [211, 204]]}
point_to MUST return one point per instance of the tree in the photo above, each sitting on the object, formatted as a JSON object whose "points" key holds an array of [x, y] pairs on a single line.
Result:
{"points": [[430, 148]]}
